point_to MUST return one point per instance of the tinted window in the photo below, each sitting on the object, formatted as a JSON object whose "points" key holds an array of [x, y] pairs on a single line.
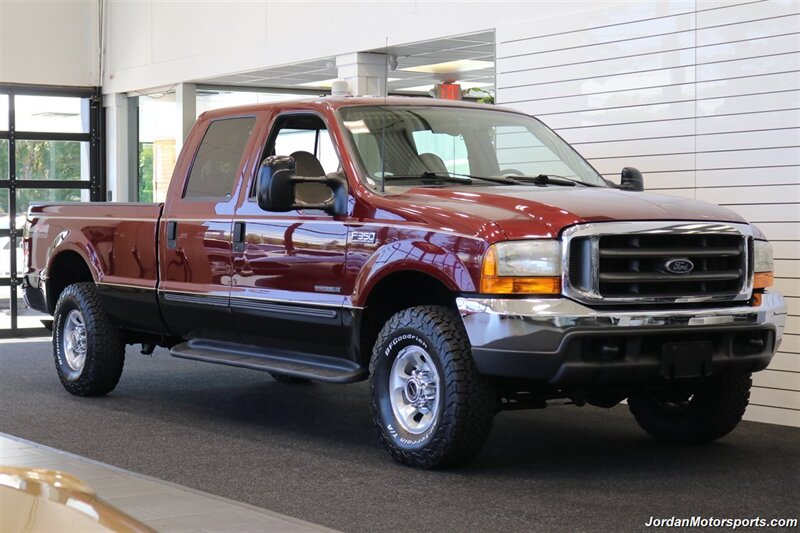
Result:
{"points": [[214, 169]]}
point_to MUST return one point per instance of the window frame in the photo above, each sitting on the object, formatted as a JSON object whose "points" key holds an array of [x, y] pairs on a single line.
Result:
{"points": [[273, 134]]}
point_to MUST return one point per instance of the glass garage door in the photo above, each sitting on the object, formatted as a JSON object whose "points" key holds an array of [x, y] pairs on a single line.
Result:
{"points": [[50, 151]]}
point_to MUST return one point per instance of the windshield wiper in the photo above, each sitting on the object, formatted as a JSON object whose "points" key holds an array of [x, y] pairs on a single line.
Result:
{"points": [[552, 179], [453, 177]]}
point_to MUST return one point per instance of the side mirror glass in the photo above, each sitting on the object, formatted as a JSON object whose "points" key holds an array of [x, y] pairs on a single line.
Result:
{"points": [[275, 184], [276, 188], [631, 179]]}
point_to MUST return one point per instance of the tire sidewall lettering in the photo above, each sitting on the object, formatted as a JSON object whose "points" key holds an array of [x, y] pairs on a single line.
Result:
{"points": [[66, 306], [390, 351]]}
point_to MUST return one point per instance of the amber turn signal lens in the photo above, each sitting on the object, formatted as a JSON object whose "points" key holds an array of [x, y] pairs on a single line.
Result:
{"points": [[757, 299], [762, 280], [515, 285]]}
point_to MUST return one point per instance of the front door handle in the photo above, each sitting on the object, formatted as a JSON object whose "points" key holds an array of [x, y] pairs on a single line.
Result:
{"points": [[238, 236], [172, 235]]}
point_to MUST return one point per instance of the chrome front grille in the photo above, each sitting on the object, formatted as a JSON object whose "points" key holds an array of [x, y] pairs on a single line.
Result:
{"points": [[638, 262]]}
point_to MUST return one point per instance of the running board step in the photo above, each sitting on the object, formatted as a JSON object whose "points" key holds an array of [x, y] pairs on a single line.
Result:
{"points": [[314, 367]]}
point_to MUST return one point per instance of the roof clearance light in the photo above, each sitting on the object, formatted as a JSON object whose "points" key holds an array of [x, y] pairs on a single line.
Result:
{"points": [[448, 91]]}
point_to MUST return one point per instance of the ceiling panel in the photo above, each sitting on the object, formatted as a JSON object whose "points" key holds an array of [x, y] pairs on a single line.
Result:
{"points": [[477, 46]]}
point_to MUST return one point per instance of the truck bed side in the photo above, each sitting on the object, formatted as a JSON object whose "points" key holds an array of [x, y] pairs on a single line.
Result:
{"points": [[116, 246]]}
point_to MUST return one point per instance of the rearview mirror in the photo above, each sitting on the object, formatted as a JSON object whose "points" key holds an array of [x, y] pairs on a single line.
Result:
{"points": [[276, 188], [631, 179]]}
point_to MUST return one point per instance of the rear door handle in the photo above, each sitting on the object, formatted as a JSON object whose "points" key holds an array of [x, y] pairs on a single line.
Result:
{"points": [[172, 235], [238, 236]]}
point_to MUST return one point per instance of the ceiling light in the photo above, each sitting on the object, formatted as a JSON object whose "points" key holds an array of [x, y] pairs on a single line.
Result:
{"points": [[326, 84], [426, 88], [448, 67]]}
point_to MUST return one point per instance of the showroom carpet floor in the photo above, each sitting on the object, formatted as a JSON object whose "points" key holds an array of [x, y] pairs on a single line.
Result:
{"points": [[310, 451]]}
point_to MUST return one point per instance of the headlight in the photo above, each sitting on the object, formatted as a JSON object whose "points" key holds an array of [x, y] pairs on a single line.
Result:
{"points": [[763, 264], [522, 267]]}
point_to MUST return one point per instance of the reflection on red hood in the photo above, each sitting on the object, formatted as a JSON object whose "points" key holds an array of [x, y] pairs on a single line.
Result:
{"points": [[532, 211]]}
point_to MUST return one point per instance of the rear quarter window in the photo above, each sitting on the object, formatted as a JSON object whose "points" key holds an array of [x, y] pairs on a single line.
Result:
{"points": [[213, 173]]}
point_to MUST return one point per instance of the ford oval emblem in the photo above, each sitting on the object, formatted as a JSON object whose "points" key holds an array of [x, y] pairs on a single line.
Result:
{"points": [[678, 266]]}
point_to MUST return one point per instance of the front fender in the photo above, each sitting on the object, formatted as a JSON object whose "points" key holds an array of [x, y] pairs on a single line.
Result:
{"points": [[454, 268]]}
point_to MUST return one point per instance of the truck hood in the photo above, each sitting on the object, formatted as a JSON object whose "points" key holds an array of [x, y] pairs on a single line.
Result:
{"points": [[532, 211]]}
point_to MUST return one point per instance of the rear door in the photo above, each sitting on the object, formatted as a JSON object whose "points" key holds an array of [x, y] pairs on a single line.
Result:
{"points": [[289, 279], [196, 231]]}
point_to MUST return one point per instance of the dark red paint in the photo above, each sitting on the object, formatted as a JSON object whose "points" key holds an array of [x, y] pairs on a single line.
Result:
{"points": [[304, 257]]}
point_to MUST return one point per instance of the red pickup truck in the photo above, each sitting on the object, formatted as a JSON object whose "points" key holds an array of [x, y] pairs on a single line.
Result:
{"points": [[462, 257]]}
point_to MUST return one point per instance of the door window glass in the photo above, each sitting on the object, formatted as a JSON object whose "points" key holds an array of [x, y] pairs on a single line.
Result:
{"points": [[213, 173], [316, 142]]}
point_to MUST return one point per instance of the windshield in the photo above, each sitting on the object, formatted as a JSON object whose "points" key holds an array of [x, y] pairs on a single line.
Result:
{"points": [[403, 146]]}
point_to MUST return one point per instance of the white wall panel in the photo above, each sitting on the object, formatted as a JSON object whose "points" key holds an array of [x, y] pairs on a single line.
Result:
{"points": [[743, 12], [624, 115], [650, 45], [766, 46], [751, 121], [769, 213], [793, 324], [748, 103], [719, 122], [581, 135], [790, 353], [600, 84], [772, 415], [749, 157], [610, 99], [749, 140], [787, 250], [751, 66], [629, 148], [750, 195], [747, 176], [49, 43], [573, 71], [776, 380], [755, 84], [749, 29]]}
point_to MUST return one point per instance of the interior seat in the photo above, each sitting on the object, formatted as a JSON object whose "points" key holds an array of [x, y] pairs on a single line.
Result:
{"points": [[306, 164], [434, 163]]}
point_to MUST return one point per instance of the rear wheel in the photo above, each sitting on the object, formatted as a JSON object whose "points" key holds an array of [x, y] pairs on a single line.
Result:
{"points": [[88, 351], [703, 413], [431, 406]]}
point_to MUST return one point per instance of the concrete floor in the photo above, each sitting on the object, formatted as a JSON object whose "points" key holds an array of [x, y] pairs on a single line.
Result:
{"points": [[310, 452]]}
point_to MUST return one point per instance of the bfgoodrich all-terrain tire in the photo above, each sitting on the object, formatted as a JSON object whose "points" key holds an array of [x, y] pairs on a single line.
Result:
{"points": [[87, 347], [431, 406], [707, 413]]}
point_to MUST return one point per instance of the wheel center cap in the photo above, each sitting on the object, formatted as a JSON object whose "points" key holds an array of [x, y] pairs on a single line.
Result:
{"points": [[412, 390]]}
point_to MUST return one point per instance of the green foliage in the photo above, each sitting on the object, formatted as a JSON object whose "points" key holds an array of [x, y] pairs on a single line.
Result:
{"points": [[487, 98], [145, 172], [42, 160]]}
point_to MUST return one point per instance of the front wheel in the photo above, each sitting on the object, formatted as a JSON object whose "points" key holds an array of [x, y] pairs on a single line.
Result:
{"points": [[704, 413], [88, 351], [431, 406]]}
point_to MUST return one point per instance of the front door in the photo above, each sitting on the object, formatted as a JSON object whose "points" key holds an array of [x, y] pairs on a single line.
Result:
{"points": [[289, 282], [196, 232]]}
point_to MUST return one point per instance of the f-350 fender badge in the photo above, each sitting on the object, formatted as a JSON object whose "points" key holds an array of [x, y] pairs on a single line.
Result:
{"points": [[362, 237]]}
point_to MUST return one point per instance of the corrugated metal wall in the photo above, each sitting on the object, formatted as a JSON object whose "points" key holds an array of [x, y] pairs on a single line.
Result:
{"points": [[704, 98]]}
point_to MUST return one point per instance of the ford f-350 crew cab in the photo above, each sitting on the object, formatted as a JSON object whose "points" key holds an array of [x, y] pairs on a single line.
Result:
{"points": [[462, 257]]}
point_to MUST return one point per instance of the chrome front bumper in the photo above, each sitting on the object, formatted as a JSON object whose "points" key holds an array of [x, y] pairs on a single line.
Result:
{"points": [[530, 337]]}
